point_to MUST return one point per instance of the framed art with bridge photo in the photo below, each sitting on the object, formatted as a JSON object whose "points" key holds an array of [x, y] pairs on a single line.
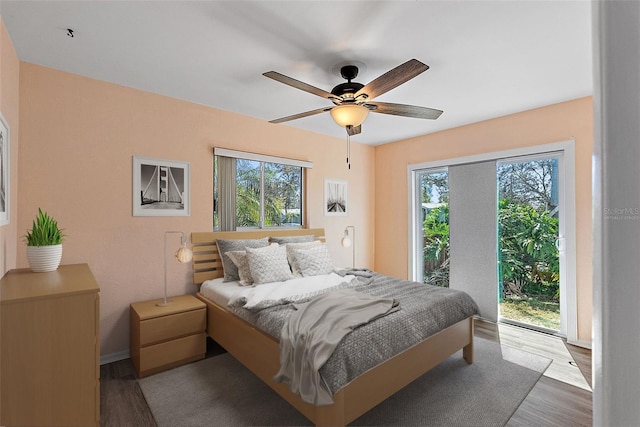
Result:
{"points": [[160, 187], [335, 197]]}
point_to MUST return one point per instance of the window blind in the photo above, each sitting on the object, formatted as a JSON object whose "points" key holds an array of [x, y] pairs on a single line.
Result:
{"points": [[225, 152], [473, 209]]}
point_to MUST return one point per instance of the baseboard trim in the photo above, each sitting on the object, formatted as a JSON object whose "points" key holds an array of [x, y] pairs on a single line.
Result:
{"points": [[114, 357]]}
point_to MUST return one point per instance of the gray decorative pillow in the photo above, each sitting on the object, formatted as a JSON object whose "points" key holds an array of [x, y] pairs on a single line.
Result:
{"points": [[239, 258], [292, 239], [224, 246], [292, 262], [313, 261], [269, 264]]}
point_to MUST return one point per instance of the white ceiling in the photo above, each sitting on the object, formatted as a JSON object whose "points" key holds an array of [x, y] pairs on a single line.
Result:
{"points": [[487, 58]]}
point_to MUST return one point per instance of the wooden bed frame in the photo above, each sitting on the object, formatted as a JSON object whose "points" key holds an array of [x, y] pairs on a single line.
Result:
{"points": [[260, 353]]}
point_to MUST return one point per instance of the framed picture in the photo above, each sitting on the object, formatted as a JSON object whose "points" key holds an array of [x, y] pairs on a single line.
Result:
{"points": [[335, 197], [4, 171], [160, 187]]}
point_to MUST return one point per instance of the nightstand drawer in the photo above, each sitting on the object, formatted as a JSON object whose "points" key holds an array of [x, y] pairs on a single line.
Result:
{"points": [[168, 327], [172, 352]]}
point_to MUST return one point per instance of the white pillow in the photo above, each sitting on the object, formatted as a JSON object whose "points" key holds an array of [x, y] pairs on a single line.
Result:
{"points": [[291, 246], [224, 245], [313, 261], [269, 264], [239, 258]]}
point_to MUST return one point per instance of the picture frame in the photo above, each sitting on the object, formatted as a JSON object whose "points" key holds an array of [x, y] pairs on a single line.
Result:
{"points": [[335, 197], [5, 158], [160, 187]]}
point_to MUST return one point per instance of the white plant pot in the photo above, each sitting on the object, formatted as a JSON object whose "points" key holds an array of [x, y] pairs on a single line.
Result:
{"points": [[44, 258]]}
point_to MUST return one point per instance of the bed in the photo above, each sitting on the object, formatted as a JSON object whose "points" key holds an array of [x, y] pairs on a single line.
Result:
{"points": [[259, 351]]}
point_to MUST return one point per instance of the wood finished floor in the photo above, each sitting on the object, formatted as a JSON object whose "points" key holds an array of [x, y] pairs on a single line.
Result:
{"points": [[550, 403]]}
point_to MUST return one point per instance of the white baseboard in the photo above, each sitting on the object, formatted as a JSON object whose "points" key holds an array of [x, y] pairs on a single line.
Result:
{"points": [[114, 357]]}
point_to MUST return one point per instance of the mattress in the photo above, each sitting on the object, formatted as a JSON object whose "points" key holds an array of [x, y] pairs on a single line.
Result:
{"points": [[219, 291]]}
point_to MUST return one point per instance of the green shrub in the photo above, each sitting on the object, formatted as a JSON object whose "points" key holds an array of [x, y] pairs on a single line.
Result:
{"points": [[529, 263]]}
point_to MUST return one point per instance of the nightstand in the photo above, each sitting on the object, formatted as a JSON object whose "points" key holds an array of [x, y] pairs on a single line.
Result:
{"points": [[168, 336]]}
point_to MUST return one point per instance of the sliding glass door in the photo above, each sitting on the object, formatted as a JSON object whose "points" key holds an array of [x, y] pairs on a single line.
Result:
{"points": [[501, 227]]}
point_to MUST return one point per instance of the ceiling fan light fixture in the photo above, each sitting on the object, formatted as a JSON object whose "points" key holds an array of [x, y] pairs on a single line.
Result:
{"points": [[349, 114]]}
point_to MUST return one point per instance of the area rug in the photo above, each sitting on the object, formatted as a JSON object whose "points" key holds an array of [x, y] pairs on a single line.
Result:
{"points": [[220, 391]]}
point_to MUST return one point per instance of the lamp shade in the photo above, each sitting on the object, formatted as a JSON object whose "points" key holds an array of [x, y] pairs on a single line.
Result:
{"points": [[348, 241], [349, 114], [184, 254]]}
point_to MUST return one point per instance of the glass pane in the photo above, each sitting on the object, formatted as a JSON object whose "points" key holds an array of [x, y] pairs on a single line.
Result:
{"points": [[529, 263], [282, 195], [247, 193], [434, 198]]}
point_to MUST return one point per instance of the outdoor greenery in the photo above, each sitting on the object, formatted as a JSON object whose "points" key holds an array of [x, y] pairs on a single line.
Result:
{"points": [[44, 231], [535, 311], [436, 246], [282, 196], [529, 263]]}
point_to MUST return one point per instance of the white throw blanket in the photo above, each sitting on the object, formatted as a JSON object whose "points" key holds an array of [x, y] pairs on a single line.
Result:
{"points": [[269, 294], [312, 332]]}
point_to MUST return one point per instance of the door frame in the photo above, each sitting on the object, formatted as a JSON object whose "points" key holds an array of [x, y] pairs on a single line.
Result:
{"points": [[568, 149]]}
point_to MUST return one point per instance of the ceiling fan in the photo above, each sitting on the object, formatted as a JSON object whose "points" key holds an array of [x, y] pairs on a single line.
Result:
{"points": [[353, 101]]}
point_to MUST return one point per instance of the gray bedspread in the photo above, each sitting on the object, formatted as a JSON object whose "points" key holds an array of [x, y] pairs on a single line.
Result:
{"points": [[424, 310], [315, 329]]}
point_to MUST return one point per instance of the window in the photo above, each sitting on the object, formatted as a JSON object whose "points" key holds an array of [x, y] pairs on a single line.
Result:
{"points": [[257, 191]]}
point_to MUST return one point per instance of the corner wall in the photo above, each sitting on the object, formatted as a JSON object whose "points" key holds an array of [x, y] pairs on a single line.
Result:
{"points": [[77, 142], [616, 380], [9, 106], [559, 122]]}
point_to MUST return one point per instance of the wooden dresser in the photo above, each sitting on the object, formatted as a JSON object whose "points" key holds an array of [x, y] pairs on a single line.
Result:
{"points": [[50, 351], [168, 336]]}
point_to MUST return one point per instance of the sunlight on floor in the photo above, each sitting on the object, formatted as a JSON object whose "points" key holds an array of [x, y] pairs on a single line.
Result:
{"points": [[548, 346]]}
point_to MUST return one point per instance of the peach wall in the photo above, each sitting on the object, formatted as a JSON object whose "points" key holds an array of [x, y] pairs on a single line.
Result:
{"points": [[9, 106], [560, 122], [77, 142]]}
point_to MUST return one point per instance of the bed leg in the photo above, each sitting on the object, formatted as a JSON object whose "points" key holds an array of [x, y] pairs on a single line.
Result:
{"points": [[467, 350], [331, 415], [467, 353]]}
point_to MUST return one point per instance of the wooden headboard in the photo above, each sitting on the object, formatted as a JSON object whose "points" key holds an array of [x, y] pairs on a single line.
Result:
{"points": [[206, 259]]}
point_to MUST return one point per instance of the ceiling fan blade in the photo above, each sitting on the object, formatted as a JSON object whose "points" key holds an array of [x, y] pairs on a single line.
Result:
{"points": [[298, 84], [354, 130], [301, 115], [404, 110], [393, 78]]}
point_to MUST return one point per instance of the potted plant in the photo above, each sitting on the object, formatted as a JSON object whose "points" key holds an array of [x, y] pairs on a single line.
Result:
{"points": [[44, 243]]}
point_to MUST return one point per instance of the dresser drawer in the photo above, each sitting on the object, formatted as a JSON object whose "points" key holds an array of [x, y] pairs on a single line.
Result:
{"points": [[167, 328], [173, 352]]}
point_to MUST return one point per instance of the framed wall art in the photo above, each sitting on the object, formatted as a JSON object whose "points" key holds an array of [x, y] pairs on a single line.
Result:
{"points": [[335, 197], [160, 187], [5, 189]]}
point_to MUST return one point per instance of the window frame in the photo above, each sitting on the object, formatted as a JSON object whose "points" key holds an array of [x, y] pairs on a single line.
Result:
{"points": [[262, 159]]}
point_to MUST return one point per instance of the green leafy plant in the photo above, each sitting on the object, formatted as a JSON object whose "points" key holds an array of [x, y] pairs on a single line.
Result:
{"points": [[44, 231]]}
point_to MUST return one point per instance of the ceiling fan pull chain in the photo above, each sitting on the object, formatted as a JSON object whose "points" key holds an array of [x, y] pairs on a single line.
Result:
{"points": [[348, 150]]}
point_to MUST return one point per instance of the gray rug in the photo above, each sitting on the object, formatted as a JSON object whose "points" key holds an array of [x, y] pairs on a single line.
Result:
{"points": [[219, 391]]}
